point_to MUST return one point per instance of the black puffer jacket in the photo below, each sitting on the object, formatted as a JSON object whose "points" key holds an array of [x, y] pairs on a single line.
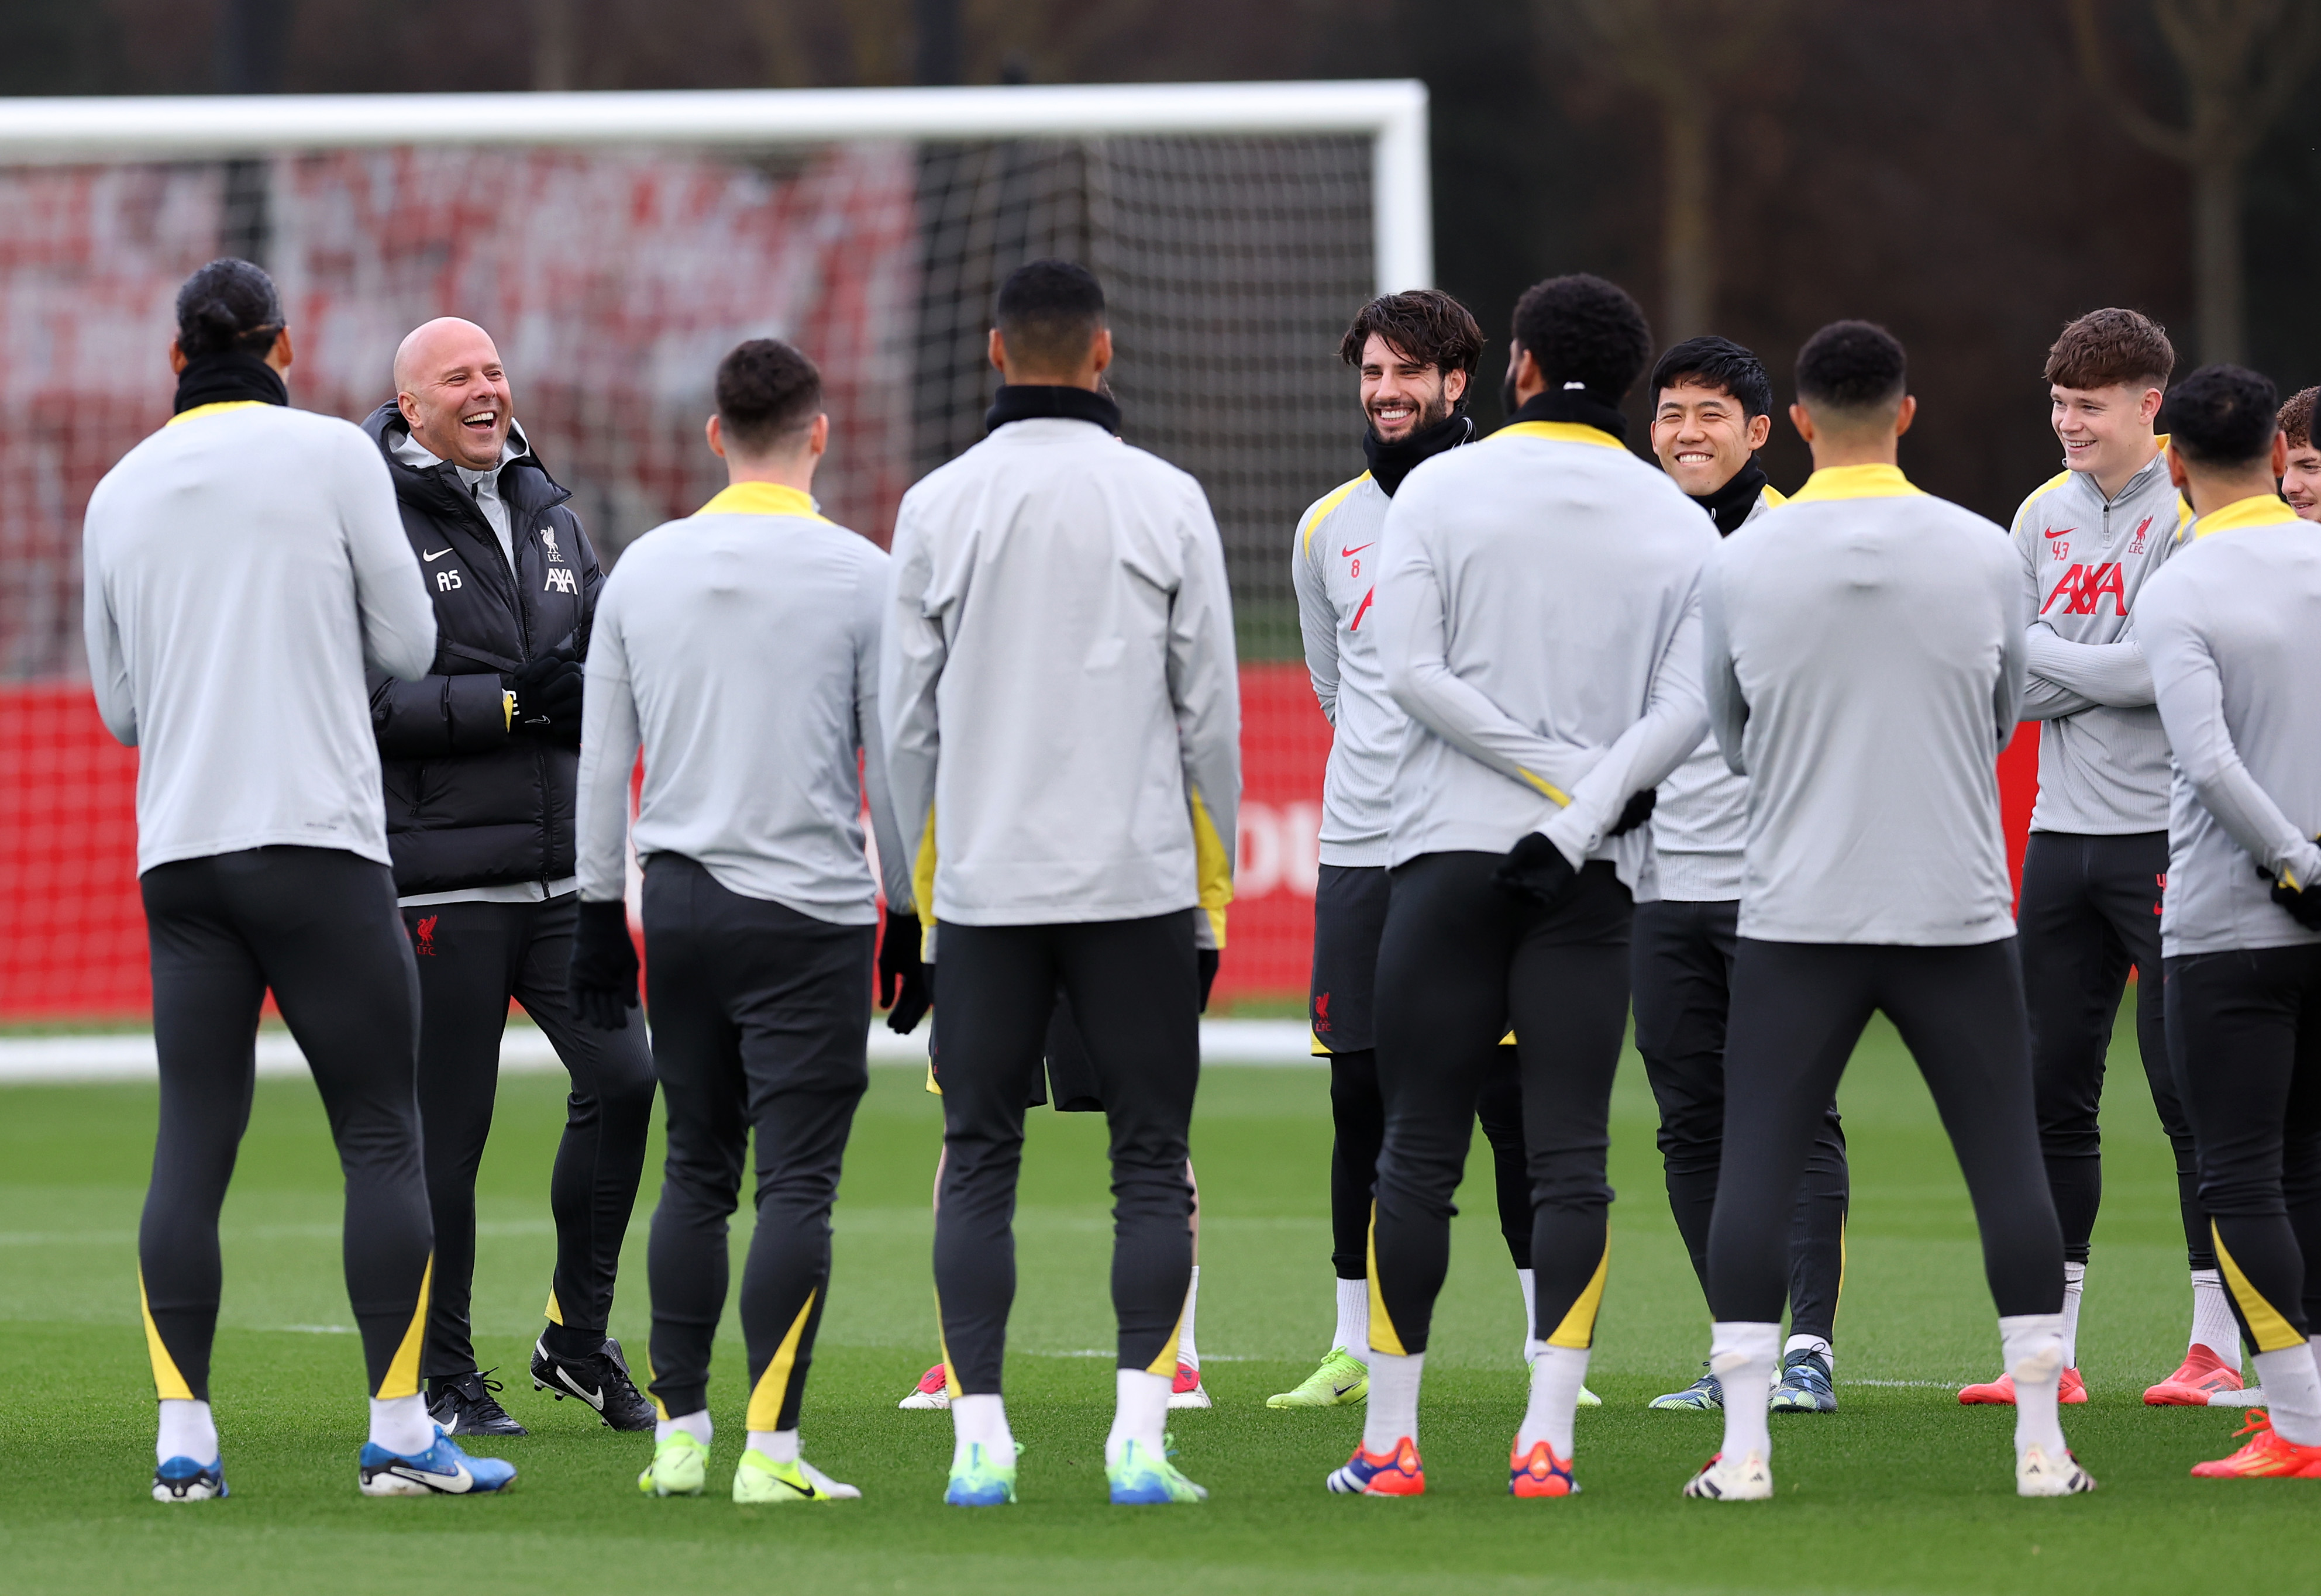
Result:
{"points": [[468, 804]]}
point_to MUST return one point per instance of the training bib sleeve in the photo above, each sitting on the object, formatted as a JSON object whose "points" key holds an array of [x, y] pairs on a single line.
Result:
{"points": [[2111, 674], [2191, 697], [609, 740], [1317, 618], [894, 863], [1204, 687], [1675, 720], [911, 653], [398, 618]]}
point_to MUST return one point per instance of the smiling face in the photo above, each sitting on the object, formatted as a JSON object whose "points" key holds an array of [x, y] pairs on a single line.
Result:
{"points": [[2300, 483], [1703, 438], [454, 393], [1400, 394], [2106, 431]]}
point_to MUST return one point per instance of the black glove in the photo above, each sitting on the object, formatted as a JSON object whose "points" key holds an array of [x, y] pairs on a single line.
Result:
{"points": [[1205, 960], [1536, 872], [903, 985], [603, 977], [2303, 903], [547, 691], [1638, 810]]}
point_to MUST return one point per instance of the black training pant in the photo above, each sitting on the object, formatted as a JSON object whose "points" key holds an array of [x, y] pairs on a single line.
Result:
{"points": [[2246, 1029], [760, 1021], [318, 927], [2090, 912], [473, 959], [1799, 1007], [1349, 917], [1461, 963], [1683, 976], [999, 987]]}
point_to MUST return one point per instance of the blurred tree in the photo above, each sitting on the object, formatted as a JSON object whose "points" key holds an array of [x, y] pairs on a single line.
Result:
{"points": [[1682, 53], [2242, 60], [555, 45]]}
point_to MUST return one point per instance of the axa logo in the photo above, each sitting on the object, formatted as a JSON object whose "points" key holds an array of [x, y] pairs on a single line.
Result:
{"points": [[561, 579], [2082, 589], [422, 935], [1362, 609]]}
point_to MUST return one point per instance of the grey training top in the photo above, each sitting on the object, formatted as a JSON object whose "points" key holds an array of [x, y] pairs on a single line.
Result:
{"points": [[1539, 619], [1700, 825], [2232, 628], [739, 647], [1864, 666], [1061, 701], [239, 567], [1333, 569], [2103, 760]]}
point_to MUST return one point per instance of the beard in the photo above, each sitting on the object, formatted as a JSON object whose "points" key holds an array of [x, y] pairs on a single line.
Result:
{"points": [[1432, 413]]}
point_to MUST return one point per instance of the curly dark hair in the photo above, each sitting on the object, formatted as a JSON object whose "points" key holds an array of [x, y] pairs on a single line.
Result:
{"points": [[1718, 365], [1852, 366], [765, 391], [228, 305], [2222, 416], [1423, 324], [2108, 348], [2296, 417], [1580, 329]]}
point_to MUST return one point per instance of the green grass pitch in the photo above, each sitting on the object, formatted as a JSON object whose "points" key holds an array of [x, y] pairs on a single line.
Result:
{"points": [[1902, 1490]]}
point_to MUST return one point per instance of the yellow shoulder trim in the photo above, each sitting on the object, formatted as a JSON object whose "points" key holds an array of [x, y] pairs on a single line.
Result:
{"points": [[1771, 497], [1856, 482], [762, 498], [1561, 432], [2258, 510], [2034, 495], [220, 408], [1328, 502], [1212, 864]]}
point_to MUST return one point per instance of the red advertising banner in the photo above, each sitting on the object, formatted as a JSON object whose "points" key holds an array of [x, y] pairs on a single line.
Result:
{"points": [[72, 929]]}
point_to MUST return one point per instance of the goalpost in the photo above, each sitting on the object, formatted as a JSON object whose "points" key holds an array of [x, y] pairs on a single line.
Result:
{"points": [[615, 245]]}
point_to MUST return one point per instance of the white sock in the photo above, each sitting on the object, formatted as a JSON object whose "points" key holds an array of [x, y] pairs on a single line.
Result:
{"points": [[188, 1430], [2292, 1392], [1392, 1411], [1140, 1412], [401, 1425], [1809, 1344], [2031, 1346], [2213, 1325], [1525, 1282], [1353, 1332], [1744, 1354], [1186, 1352], [775, 1446], [1557, 1374], [981, 1420], [696, 1425], [2075, 1281]]}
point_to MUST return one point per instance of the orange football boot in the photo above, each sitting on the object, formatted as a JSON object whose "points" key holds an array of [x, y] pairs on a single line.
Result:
{"points": [[2000, 1392], [2265, 1456], [2203, 1376], [1397, 1472], [1540, 1473]]}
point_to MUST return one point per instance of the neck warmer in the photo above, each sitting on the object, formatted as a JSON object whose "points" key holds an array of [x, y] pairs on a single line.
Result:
{"points": [[1576, 405], [1729, 505], [226, 377], [1024, 401], [1391, 462]]}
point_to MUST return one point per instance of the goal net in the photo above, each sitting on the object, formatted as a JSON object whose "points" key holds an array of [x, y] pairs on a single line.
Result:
{"points": [[616, 246]]}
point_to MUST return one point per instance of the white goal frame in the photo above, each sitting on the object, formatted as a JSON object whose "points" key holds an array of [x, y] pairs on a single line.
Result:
{"points": [[1392, 112]]}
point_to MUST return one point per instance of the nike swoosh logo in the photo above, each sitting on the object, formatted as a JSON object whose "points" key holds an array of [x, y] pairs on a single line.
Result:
{"points": [[2060, 531], [1350, 553], [595, 1399], [432, 559], [456, 1482], [1336, 1390]]}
